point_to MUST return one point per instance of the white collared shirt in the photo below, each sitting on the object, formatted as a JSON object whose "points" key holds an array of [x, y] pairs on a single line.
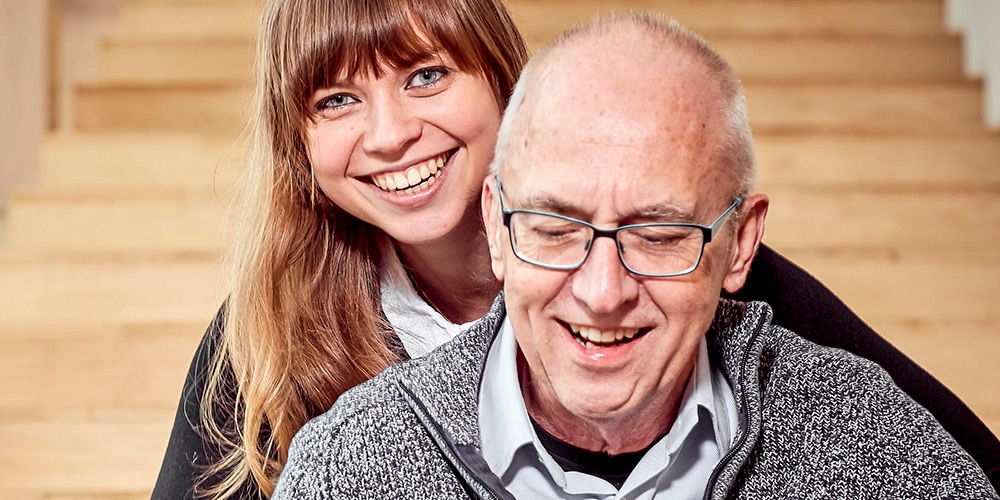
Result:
{"points": [[677, 466], [420, 327]]}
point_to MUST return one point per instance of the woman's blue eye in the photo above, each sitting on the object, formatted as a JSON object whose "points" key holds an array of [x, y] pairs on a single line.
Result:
{"points": [[336, 101], [426, 77]]}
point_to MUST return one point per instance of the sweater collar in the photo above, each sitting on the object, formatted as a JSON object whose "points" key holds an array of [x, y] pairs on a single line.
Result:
{"points": [[447, 381]]}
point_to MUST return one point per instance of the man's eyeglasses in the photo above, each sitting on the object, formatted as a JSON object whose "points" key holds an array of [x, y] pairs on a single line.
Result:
{"points": [[658, 250]]}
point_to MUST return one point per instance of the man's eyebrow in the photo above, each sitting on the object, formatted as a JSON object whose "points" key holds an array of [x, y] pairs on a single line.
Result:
{"points": [[547, 203], [658, 213], [652, 213]]}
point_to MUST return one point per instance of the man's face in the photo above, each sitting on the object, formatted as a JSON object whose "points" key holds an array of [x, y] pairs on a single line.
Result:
{"points": [[612, 145]]}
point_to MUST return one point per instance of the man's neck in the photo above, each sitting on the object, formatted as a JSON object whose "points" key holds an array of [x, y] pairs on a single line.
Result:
{"points": [[614, 436]]}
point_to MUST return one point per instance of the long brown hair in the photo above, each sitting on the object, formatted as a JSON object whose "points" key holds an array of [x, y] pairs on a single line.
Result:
{"points": [[304, 322]]}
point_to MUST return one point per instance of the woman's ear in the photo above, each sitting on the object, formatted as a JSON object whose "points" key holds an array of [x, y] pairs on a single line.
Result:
{"points": [[749, 235], [492, 223]]}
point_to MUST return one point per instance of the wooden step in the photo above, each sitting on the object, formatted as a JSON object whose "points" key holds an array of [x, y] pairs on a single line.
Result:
{"points": [[799, 59], [913, 287], [822, 60], [142, 368], [189, 108], [182, 223], [176, 61], [148, 163], [880, 220], [865, 162], [38, 291], [48, 494], [883, 221], [932, 109], [116, 163], [207, 22], [70, 455], [540, 21], [961, 356]]}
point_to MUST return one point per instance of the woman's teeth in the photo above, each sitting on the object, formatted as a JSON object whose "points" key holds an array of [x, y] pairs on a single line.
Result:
{"points": [[594, 338], [412, 180]]}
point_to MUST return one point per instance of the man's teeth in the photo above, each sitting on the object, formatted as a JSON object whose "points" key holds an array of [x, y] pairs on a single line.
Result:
{"points": [[414, 179], [592, 336]]}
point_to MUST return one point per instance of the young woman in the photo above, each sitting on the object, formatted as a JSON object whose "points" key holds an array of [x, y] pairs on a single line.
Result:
{"points": [[357, 235], [373, 126]]}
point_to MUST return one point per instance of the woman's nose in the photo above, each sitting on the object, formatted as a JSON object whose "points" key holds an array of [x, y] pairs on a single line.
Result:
{"points": [[391, 125]]}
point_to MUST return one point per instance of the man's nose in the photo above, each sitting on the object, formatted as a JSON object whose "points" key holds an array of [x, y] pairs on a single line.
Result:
{"points": [[602, 282], [390, 126]]}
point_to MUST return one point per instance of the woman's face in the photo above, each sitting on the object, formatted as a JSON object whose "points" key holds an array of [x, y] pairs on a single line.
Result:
{"points": [[408, 151]]}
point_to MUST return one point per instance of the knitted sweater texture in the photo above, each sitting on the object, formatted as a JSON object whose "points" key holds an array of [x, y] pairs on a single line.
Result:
{"points": [[817, 423]]}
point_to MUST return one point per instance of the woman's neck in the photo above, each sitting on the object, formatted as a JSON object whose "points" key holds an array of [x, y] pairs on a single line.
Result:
{"points": [[453, 274]]}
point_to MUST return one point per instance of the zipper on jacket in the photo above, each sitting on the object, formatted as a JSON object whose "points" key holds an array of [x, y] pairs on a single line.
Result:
{"points": [[466, 473], [745, 413]]}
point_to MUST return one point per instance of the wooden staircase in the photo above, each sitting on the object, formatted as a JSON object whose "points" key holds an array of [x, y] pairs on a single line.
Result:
{"points": [[884, 184]]}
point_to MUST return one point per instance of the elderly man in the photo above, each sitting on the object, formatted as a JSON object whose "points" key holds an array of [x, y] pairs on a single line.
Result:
{"points": [[619, 210]]}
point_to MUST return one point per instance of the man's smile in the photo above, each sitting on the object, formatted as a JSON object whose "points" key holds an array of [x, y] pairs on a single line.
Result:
{"points": [[594, 338]]}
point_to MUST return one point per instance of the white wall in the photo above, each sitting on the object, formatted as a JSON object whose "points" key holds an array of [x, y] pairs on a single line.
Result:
{"points": [[979, 23], [23, 91]]}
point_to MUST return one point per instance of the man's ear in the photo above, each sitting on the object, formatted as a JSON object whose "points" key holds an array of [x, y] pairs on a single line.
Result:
{"points": [[748, 238], [492, 224]]}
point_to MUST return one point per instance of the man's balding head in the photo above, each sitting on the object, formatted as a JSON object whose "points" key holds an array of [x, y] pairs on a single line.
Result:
{"points": [[624, 59]]}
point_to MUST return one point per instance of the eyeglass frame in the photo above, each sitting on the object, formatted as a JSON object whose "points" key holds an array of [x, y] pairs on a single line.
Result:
{"points": [[708, 233]]}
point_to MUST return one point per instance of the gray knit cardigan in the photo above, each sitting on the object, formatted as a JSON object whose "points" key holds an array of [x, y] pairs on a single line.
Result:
{"points": [[816, 423]]}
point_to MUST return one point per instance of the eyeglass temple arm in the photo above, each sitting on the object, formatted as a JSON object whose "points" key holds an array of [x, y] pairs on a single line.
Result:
{"points": [[713, 228]]}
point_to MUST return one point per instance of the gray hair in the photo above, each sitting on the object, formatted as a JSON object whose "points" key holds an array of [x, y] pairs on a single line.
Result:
{"points": [[736, 149]]}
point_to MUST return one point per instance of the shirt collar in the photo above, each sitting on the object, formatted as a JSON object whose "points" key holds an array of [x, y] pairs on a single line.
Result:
{"points": [[505, 427], [503, 417]]}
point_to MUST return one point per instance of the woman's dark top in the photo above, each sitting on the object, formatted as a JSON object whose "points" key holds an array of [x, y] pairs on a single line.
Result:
{"points": [[800, 303]]}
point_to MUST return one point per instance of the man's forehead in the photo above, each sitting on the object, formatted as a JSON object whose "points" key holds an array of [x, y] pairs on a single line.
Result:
{"points": [[643, 121], [630, 70], [596, 94], [562, 198]]}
